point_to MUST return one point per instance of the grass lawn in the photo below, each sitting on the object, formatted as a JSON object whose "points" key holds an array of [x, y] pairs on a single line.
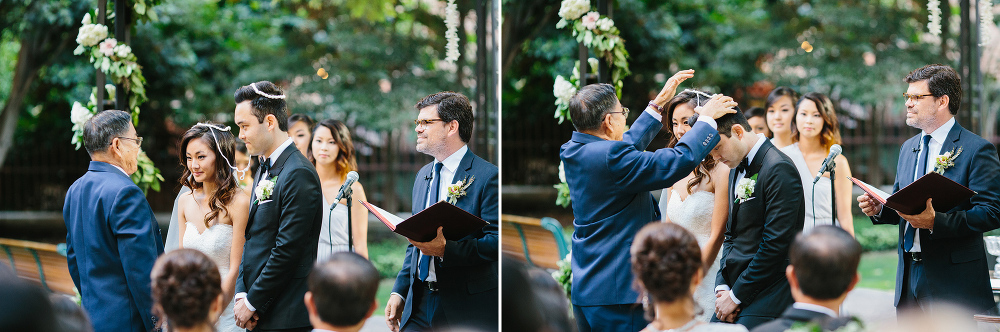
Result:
{"points": [[878, 270], [384, 289]]}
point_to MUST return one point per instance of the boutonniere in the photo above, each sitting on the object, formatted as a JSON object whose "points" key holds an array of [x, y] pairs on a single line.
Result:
{"points": [[265, 188], [946, 160], [457, 189], [744, 189]]}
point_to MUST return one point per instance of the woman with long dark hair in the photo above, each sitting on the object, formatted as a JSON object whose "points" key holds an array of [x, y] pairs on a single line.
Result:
{"points": [[780, 108], [216, 208], [332, 152]]}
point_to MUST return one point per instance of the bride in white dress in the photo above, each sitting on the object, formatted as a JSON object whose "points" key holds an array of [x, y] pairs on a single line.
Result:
{"points": [[215, 208], [699, 201]]}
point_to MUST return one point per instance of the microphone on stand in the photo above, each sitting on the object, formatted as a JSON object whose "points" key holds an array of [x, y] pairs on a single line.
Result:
{"points": [[352, 176], [835, 150], [917, 149]]}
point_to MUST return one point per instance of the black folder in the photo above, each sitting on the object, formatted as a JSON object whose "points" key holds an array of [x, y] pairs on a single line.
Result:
{"points": [[422, 227], [912, 199]]}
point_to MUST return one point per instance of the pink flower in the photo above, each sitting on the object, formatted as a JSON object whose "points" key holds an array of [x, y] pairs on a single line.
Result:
{"points": [[108, 46], [590, 20]]}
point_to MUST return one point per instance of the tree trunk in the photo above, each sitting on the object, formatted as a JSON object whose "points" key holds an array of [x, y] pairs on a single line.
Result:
{"points": [[24, 74]]}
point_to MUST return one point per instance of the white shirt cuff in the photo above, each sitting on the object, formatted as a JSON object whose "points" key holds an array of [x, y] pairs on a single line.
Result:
{"points": [[656, 115], [397, 294], [721, 288], [733, 296], [709, 120], [243, 295]]}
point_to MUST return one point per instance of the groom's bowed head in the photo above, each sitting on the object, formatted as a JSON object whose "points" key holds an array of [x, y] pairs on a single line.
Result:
{"points": [[262, 116], [736, 138]]}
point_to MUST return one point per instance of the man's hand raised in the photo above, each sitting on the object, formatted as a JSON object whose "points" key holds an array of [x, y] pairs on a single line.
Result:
{"points": [[717, 106]]}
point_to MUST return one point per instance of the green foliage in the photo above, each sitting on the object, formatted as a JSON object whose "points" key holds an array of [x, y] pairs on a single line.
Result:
{"points": [[563, 198], [875, 237], [388, 256], [564, 276]]}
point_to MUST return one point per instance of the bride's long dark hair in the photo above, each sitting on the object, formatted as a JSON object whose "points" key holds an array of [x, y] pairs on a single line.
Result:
{"points": [[691, 99], [217, 140]]}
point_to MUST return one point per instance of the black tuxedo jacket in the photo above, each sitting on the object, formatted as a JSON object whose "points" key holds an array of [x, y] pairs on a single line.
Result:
{"points": [[468, 276], [954, 255], [281, 238], [793, 315], [759, 233]]}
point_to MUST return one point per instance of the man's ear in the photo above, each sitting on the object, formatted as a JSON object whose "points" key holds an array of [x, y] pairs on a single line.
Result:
{"points": [[737, 131], [271, 122], [453, 127], [310, 305], [372, 309], [790, 275], [944, 100]]}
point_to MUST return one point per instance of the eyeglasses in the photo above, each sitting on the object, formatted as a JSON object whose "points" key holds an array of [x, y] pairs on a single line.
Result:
{"points": [[624, 111], [908, 97], [137, 140], [425, 123]]}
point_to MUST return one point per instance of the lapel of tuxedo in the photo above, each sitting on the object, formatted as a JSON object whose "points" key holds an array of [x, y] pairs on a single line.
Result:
{"points": [[273, 172], [752, 169], [908, 158], [951, 143], [461, 174], [732, 199], [423, 184]]}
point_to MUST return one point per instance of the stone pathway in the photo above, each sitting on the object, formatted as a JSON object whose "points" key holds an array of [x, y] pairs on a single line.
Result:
{"points": [[873, 306], [375, 323]]}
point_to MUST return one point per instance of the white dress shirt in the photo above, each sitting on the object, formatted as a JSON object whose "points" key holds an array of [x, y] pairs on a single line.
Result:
{"points": [[740, 175], [448, 168], [270, 162], [933, 151]]}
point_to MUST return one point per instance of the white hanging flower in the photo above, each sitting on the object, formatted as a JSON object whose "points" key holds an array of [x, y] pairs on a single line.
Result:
{"points": [[934, 17], [91, 34], [563, 90], [86, 19], [573, 9], [108, 46], [986, 21], [562, 172], [451, 21], [79, 114], [590, 20], [122, 50], [111, 89], [605, 24], [594, 63]]}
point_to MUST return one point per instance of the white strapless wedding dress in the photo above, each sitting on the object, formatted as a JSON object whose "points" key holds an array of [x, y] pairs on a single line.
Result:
{"points": [[695, 214], [215, 242]]}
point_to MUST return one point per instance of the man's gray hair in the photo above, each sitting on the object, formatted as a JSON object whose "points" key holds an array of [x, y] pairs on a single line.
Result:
{"points": [[104, 127], [588, 106]]}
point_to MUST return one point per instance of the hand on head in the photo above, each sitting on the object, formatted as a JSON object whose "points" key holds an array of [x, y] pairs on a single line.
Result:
{"points": [[717, 106]]}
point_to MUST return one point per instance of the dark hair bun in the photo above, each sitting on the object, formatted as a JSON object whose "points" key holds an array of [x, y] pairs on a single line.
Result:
{"points": [[185, 283], [665, 257]]}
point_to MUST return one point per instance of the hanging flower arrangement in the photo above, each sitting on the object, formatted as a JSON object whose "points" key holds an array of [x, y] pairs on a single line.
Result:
{"points": [[451, 22]]}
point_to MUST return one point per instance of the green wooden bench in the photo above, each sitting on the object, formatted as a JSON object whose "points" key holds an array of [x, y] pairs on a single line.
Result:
{"points": [[42, 263], [539, 242]]}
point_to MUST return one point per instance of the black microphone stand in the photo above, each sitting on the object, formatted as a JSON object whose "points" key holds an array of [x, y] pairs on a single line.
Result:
{"points": [[329, 221], [833, 191]]}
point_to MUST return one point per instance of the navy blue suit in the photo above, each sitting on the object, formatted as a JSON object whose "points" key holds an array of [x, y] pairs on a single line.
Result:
{"points": [[112, 241], [954, 255], [609, 184], [468, 274]]}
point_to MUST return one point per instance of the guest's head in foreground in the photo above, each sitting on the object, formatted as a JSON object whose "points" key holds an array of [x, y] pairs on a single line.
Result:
{"points": [[332, 145], [823, 266], [341, 292], [678, 111], [262, 116], [444, 124], [25, 306], [815, 118], [666, 262], [187, 290], [532, 300], [110, 137], [207, 153], [933, 97], [300, 128], [757, 117], [780, 108], [595, 110], [735, 139]]}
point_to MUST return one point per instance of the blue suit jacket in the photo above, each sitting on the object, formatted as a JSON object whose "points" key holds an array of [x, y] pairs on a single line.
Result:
{"points": [[112, 241], [609, 184], [954, 255], [468, 275]]}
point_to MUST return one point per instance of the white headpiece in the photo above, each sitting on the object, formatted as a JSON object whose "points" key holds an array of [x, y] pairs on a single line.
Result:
{"points": [[698, 95], [240, 173], [254, 86]]}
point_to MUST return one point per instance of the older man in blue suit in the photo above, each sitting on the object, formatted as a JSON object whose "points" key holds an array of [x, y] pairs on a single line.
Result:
{"points": [[942, 257], [445, 282], [112, 237], [609, 177]]}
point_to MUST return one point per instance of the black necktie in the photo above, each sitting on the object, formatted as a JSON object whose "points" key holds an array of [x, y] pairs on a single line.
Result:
{"points": [[908, 234], [742, 168], [265, 165], [425, 261]]}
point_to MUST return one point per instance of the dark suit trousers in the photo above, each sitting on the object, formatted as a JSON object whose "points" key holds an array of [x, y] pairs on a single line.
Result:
{"points": [[425, 314], [913, 278], [620, 317]]}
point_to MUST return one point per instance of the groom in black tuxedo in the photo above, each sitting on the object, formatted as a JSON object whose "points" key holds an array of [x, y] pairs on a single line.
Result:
{"points": [[766, 210], [283, 228]]}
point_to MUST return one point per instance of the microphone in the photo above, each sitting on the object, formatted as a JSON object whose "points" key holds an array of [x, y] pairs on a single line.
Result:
{"points": [[916, 149], [352, 176], [835, 150]]}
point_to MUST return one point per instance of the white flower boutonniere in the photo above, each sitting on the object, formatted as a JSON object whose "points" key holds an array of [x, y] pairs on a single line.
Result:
{"points": [[265, 188], [946, 160], [744, 189], [457, 190]]}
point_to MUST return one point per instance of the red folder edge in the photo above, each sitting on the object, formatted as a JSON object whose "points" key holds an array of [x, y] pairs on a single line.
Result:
{"points": [[867, 190], [377, 215]]}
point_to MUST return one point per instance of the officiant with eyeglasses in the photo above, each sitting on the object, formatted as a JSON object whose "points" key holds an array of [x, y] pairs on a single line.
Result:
{"points": [[942, 257]]}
